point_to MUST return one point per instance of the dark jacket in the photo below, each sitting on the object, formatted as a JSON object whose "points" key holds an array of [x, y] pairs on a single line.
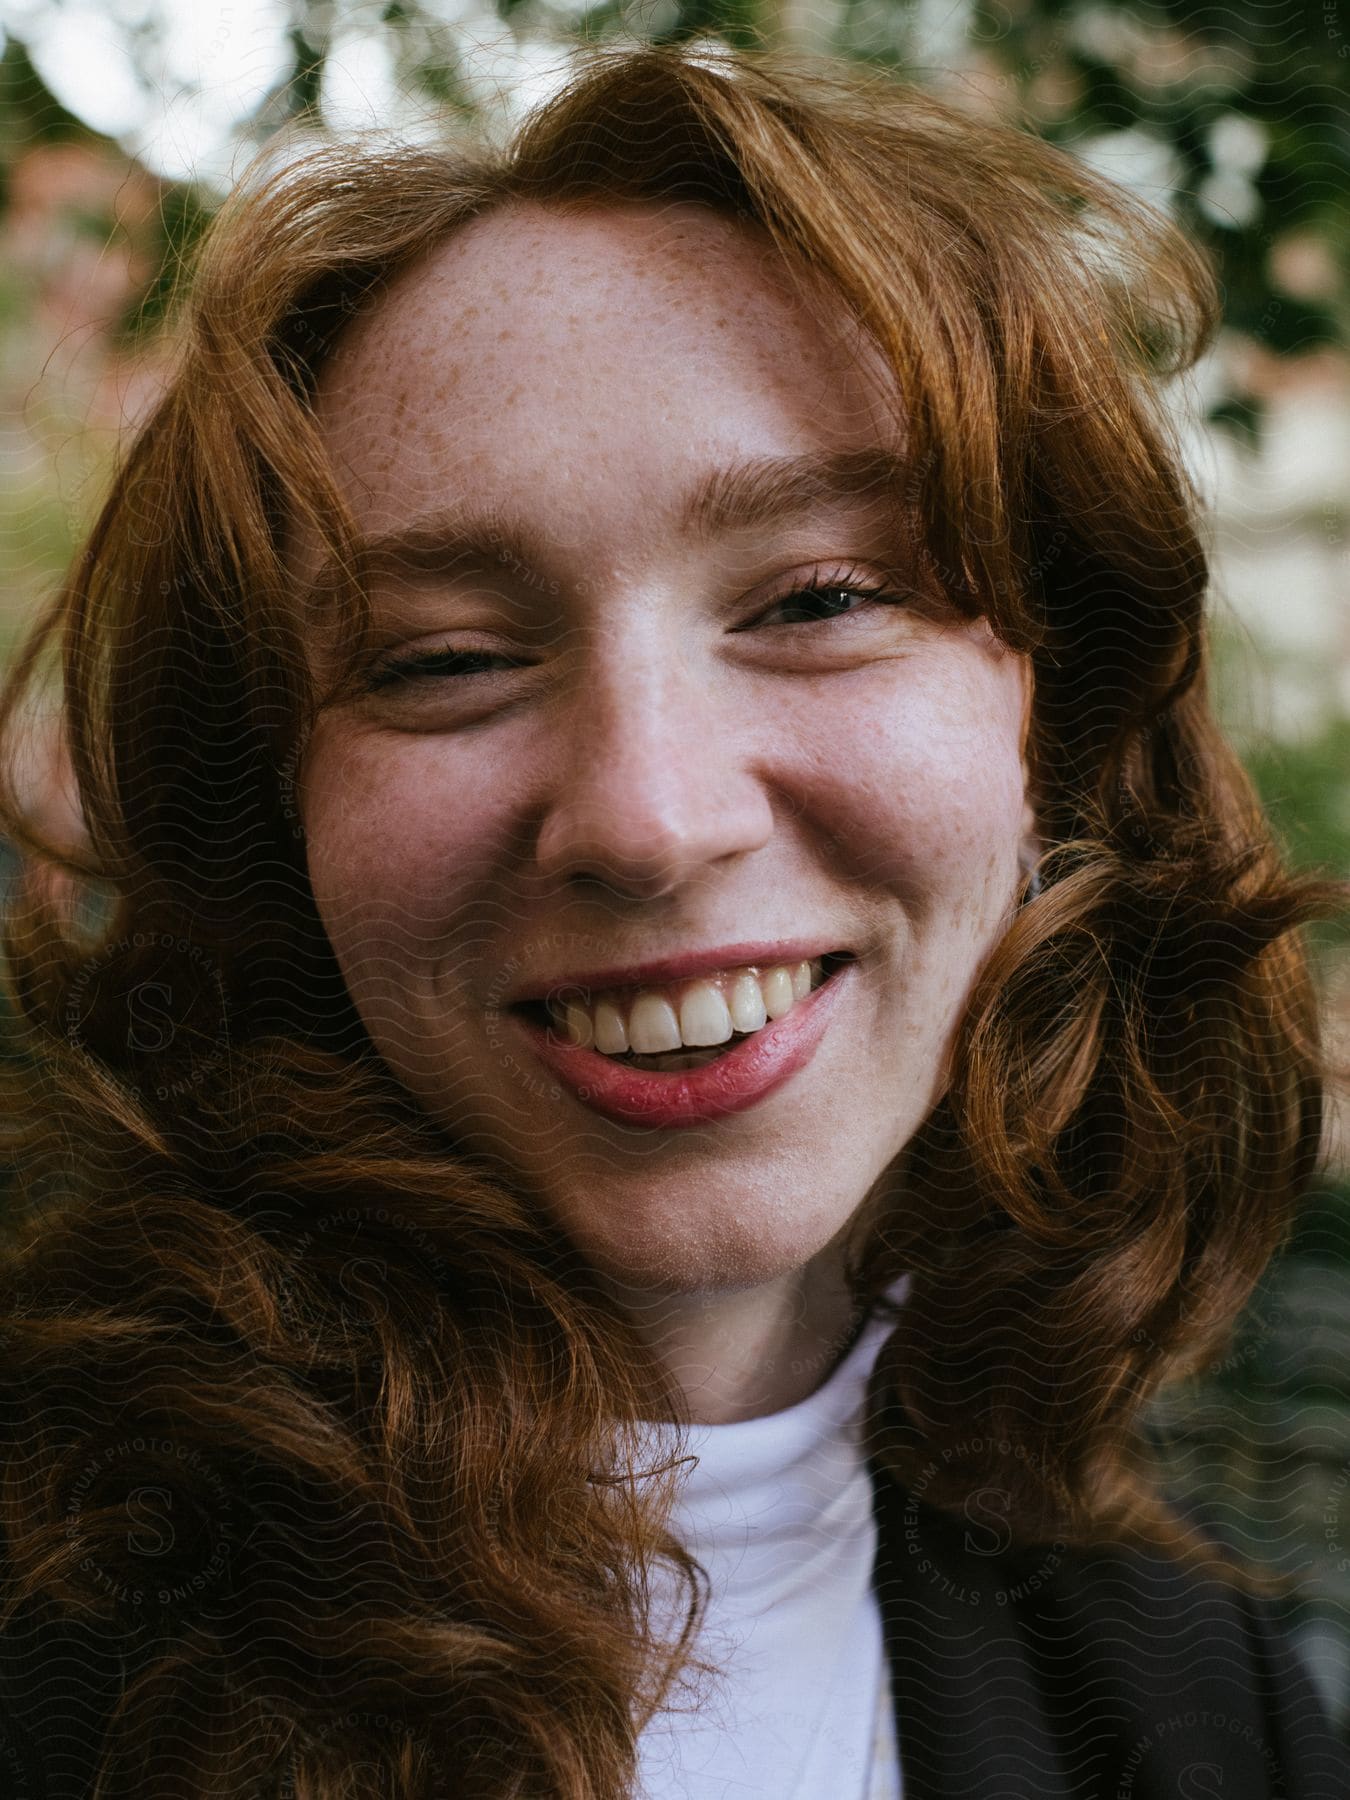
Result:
{"points": [[1034, 1674], [1019, 1675]]}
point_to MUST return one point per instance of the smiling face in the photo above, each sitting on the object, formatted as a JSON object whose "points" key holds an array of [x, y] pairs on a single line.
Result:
{"points": [[665, 745]]}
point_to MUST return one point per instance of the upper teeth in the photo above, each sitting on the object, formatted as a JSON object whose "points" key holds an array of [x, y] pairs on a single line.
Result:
{"points": [[700, 1012]]}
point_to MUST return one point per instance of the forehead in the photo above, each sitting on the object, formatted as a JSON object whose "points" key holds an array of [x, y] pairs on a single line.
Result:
{"points": [[618, 351]]}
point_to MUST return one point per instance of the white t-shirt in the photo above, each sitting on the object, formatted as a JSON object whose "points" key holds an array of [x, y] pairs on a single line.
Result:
{"points": [[779, 1512]]}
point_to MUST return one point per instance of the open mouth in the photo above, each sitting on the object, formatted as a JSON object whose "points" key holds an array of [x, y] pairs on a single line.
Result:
{"points": [[686, 1056]]}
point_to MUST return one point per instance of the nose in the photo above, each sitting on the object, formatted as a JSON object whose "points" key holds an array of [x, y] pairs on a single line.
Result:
{"points": [[652, 785]]}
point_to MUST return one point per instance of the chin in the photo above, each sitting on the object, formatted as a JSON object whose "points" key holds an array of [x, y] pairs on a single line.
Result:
{"points": [[686, 1249]]}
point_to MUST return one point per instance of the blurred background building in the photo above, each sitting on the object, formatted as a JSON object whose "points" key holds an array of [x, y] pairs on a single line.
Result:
{"points": [[123, 122]]}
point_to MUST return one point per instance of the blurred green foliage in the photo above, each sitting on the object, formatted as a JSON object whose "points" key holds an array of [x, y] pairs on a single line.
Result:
{"points": [[1306, 790]]}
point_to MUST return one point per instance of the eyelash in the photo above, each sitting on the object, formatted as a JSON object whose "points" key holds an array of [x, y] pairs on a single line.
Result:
{"points": [[392, 671]]}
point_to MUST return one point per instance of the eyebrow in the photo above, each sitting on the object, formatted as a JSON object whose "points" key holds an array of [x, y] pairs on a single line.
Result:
{"points": [[765, 490], [758, 491]]}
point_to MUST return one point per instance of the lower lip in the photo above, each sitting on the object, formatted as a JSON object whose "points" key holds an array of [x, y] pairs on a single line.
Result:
{"points": [[745, 1075]]}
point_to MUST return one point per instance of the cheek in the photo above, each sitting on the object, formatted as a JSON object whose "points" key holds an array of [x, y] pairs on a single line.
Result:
{"points": [[392, 837], [925, 789]]}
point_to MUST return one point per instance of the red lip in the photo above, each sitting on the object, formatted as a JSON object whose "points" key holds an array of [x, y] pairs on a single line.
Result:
{"points": [[745, 1075], [678, 968]]}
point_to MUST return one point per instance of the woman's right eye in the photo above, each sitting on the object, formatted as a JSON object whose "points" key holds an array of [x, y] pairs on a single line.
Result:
{"points": [[395, 671]]}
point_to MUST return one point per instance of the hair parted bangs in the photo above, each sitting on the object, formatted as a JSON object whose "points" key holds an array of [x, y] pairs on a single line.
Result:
{"points": [[424, 1486]]}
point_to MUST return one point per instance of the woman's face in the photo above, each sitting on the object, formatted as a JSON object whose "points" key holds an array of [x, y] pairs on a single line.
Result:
{"points": [[666, 750]]}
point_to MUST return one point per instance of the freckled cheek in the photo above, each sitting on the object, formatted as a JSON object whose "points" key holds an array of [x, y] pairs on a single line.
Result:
{"points": [[393, 849], [923, 807]]}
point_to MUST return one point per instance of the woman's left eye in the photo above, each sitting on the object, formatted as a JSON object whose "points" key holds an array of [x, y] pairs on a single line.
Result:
{"points": [[830, 598]]}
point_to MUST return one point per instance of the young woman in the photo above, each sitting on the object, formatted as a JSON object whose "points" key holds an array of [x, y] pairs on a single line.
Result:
{"points": [[673, 1012]]}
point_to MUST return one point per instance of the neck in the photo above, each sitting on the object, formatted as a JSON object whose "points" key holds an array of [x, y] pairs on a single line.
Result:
{"points": [[740, 1353]]}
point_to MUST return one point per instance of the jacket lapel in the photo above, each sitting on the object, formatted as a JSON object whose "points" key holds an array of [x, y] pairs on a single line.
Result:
{"points": [[970, 1719], [1034, 1675]]}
